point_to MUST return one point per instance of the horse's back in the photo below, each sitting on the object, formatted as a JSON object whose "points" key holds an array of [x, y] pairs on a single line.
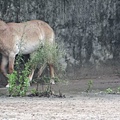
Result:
{"points": [[33, 30], [31, 34]]}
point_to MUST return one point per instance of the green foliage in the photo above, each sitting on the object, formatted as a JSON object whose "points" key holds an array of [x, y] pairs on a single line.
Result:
{"points": [[34, 92], [18, 80], [109, 90], [90, 85], [46, 54], [113, 91], [118, 90]]}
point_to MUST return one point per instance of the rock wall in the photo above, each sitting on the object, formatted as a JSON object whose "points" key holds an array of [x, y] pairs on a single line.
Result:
{"points": [[88, 29]]}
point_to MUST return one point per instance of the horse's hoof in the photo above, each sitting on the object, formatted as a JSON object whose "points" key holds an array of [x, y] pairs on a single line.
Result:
{"points": [[52, 82], [7, 86]]}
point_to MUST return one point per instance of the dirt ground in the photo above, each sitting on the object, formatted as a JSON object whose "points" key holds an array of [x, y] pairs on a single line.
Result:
{"points": [[78, 105]]}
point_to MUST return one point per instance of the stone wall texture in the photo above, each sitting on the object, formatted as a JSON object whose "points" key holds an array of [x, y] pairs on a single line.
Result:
{"points": [[89, 31]]}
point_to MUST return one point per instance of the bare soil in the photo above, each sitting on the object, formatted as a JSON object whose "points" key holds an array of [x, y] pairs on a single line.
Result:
{"points": [[78, 105]]}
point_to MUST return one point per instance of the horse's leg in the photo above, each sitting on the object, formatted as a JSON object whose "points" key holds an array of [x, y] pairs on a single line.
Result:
{"points": [[4, 64], [31, 75], [11, 63], [51, 72], [52, 75], [42, 68]]}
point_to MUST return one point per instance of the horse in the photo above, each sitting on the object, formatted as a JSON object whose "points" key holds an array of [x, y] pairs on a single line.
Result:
{"points": [[24, 38]]}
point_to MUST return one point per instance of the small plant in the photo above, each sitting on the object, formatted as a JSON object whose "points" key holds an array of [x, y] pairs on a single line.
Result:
{"points": [[90, 85], [118, 90], [45, 55], [18, 80], [109, 91], [34, 92]]}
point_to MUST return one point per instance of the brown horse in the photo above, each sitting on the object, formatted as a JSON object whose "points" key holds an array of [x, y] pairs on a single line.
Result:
{"points": [[24, 38]]}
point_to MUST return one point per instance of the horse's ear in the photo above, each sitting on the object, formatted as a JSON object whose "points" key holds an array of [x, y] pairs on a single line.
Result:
{"points": [[3, 25]]}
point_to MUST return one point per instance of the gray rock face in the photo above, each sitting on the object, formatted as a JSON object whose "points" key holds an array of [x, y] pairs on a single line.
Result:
{"points": [[89, 30]]}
